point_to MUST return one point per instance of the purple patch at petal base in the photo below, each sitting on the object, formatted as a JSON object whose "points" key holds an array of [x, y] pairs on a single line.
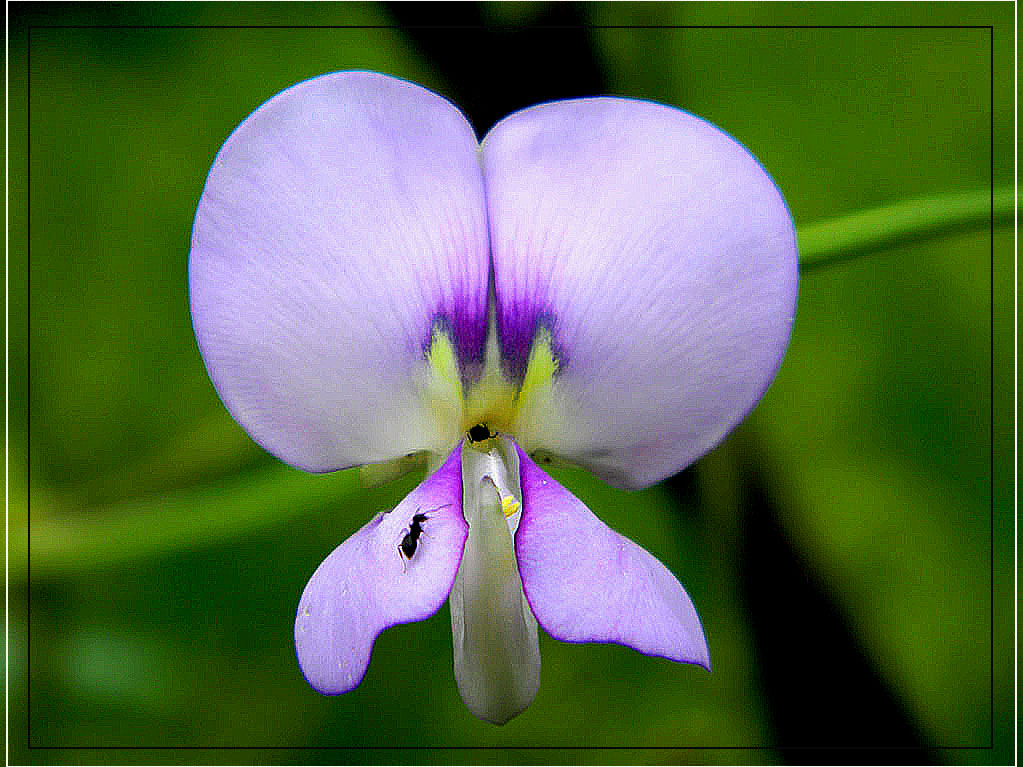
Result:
{"points": [[469, 329], [465, 323], [518, 325]]}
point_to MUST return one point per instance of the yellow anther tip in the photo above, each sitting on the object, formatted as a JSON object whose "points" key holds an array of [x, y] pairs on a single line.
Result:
{"points": [[509, 505]]}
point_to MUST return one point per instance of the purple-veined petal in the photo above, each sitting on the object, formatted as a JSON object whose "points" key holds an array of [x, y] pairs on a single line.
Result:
{"points": [[659, 259], [342, 223], [586, 583], [367, 584]]}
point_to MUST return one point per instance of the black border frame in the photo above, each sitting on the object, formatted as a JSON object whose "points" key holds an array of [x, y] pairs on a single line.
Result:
{"points": [[991, 420]]}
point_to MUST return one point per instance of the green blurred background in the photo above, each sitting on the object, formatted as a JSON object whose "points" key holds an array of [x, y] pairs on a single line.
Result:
{"points": [[840, 545]]}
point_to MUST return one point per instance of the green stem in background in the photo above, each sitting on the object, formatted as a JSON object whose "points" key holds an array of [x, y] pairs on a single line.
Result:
{"points": [[68, 540], [840, 239], [209, 447], [217, 445]]}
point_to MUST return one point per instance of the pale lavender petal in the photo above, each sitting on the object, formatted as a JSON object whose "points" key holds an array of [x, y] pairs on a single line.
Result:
{"points": [[586, 583], [367, 584], [341, 224], [661, 260]]}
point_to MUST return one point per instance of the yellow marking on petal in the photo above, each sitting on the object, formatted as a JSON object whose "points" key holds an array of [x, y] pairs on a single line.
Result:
{"points": [[443, 362], [496, 401], [541, 367], [442, 389], [509, 505], [493, 400], [538, 403]]}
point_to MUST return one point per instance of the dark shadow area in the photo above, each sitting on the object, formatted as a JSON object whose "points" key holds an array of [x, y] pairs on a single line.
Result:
{"points": [[827, 700], [685, 488], [494, 71]]}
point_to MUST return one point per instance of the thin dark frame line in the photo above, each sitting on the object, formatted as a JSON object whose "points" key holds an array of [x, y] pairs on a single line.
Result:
{"points": [[509, 27], [30, 28], [28, 385], [511, 748], [991, 380]]}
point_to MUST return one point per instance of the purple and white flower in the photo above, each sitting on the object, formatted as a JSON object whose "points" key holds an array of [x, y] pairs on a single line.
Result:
{"points": [[601, 281]]}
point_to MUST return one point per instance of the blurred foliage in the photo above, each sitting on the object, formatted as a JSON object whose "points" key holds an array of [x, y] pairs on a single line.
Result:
{"points": [[169, 551]]}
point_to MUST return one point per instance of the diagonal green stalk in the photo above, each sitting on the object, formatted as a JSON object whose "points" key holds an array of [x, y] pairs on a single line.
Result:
{"points": [[68, 541], [844, 238]]}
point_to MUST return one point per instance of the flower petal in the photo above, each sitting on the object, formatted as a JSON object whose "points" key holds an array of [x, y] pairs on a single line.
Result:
{"points": [[656, 258], [367, 585], [587, 583], [342, 224], [496, 643]]}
